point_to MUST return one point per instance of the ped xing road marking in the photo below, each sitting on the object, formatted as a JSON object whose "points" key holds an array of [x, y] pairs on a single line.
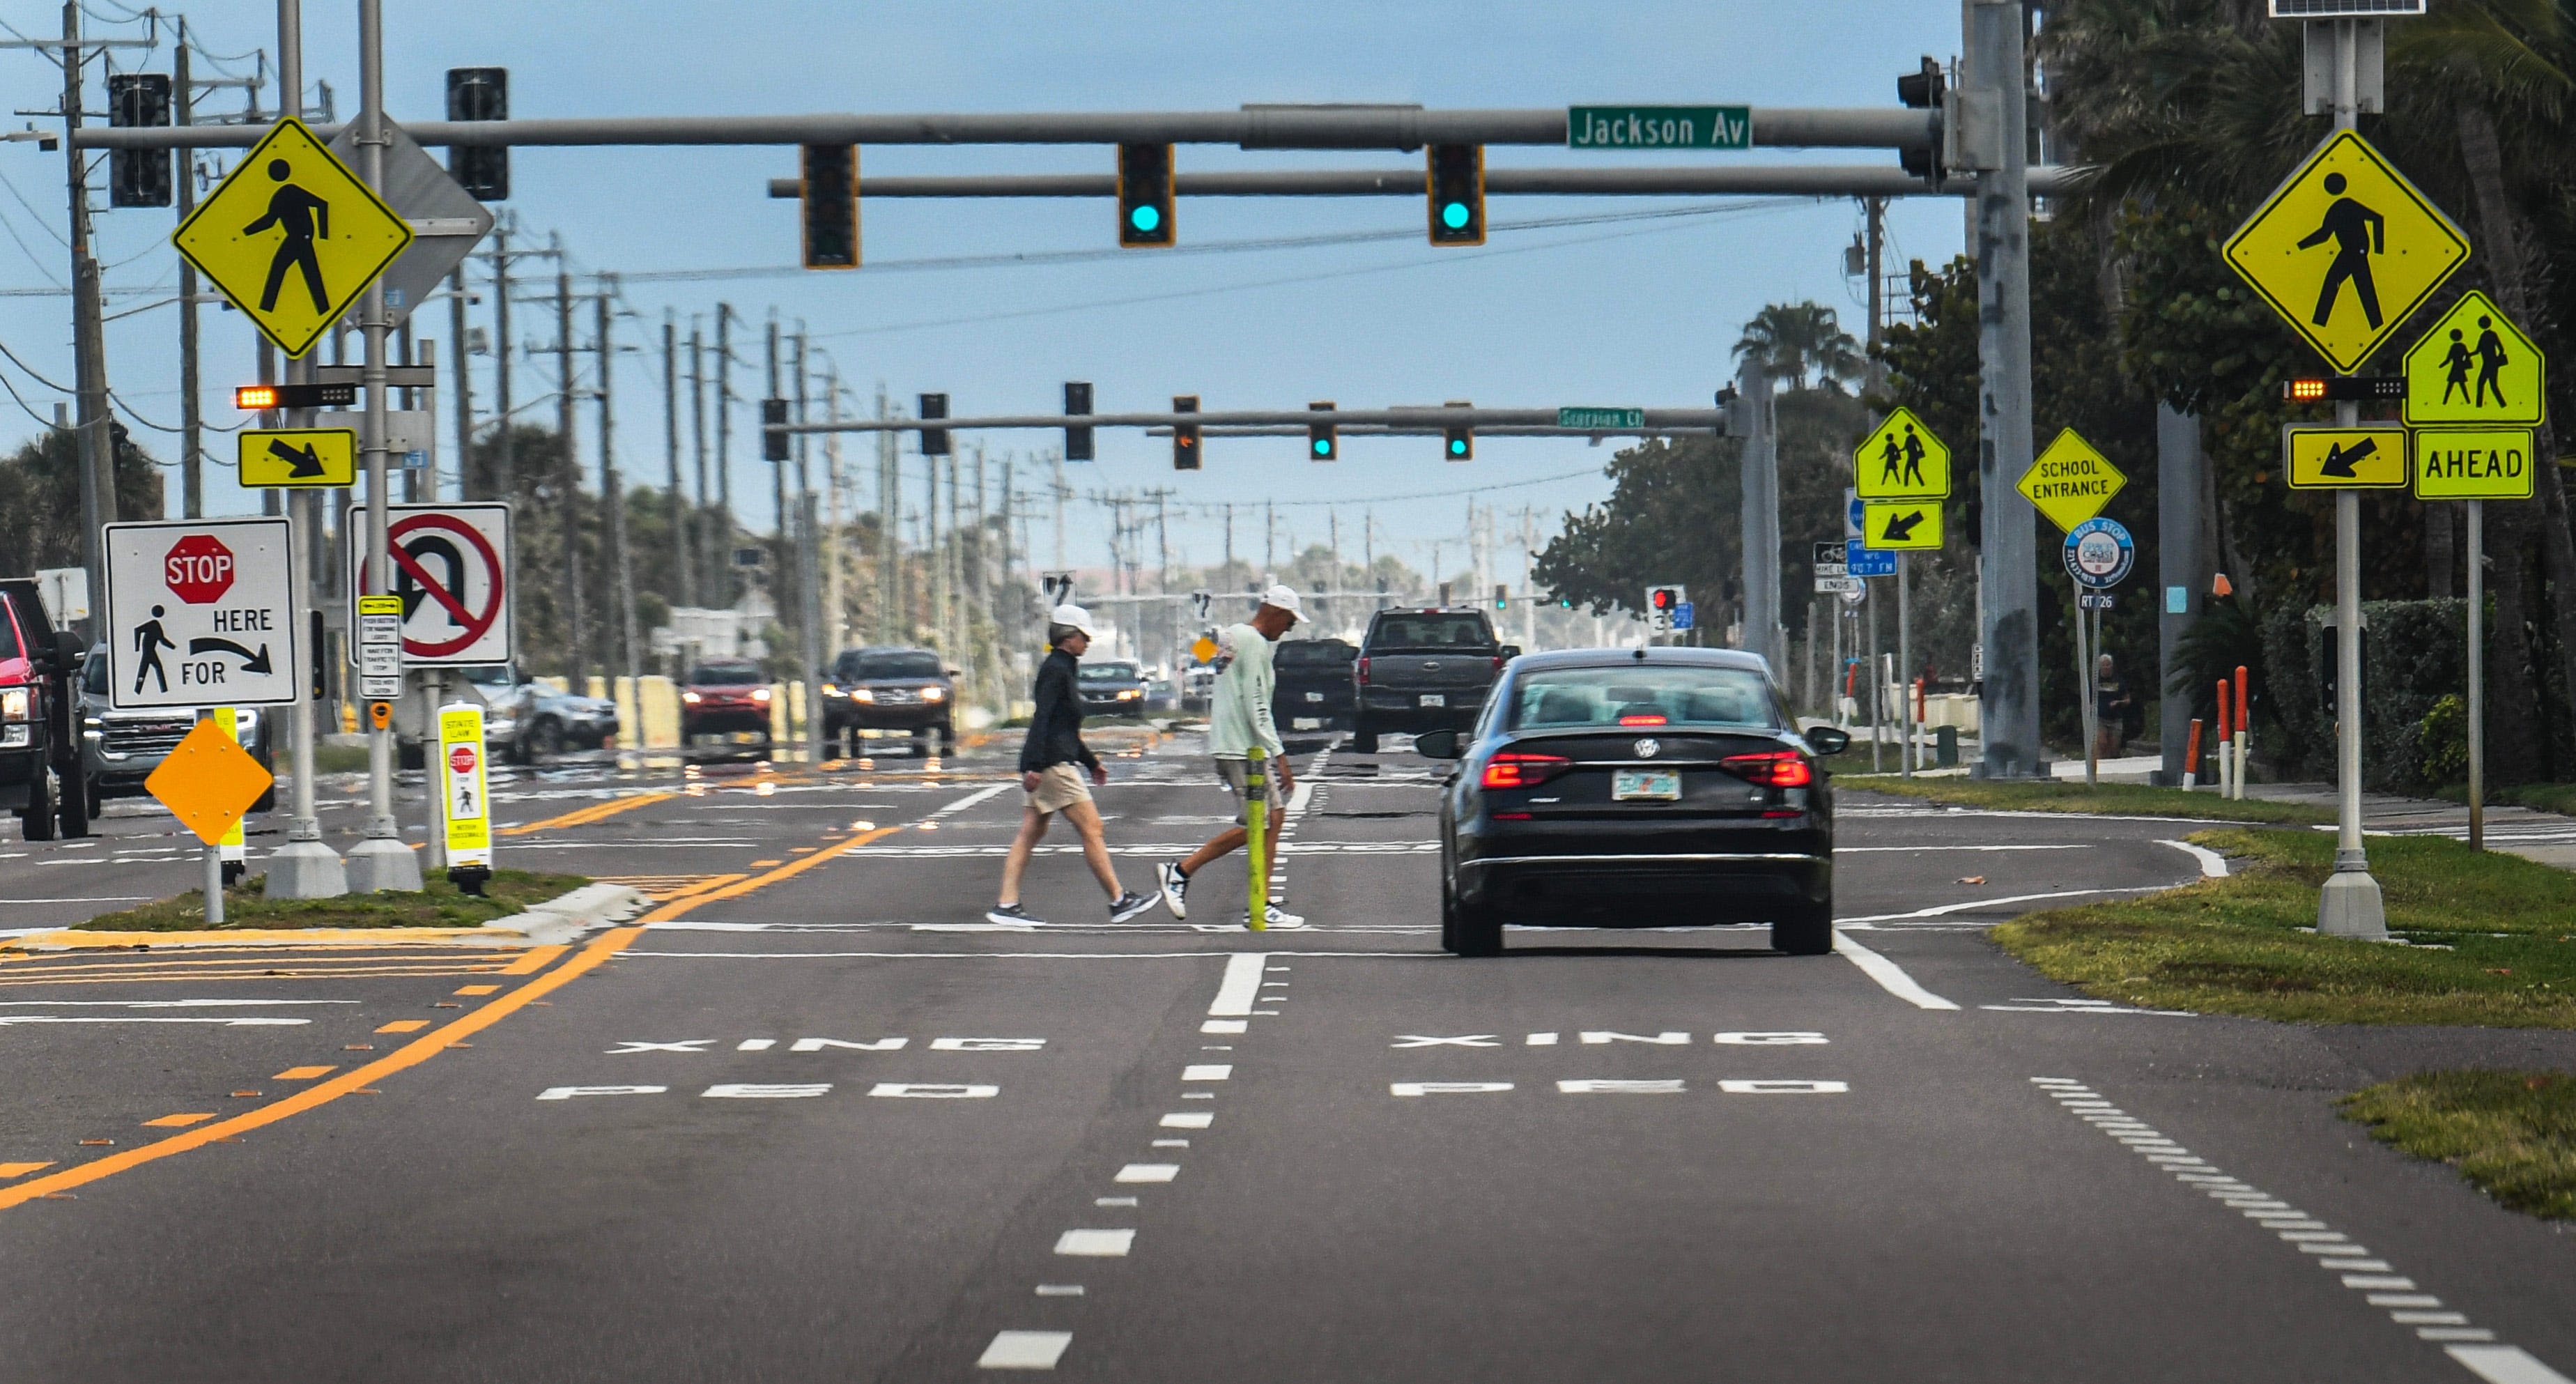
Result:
{"points": [[2474, 1347], [1242, 983], [1890, 976], [322, 1093]]}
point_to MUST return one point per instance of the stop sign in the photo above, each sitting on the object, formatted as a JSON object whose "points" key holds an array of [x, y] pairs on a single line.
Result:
{"points": [[461, 759], [199, 569]]}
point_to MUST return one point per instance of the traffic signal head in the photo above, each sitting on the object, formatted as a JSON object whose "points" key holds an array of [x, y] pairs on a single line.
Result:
{"points": [[934, 441], [773, 445], [1144, 194], [1185, 436], [479, 93], [1923, 90], [1323, 440], [138, 177], [1457, 188], [831, 203], [1502, 597], [1458, 442], [1664, 598], [1077, 401]]}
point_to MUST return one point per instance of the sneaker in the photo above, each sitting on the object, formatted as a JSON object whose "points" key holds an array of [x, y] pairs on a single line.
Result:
{"points": [[1277, 917], [1176, 889], [1129, 904], [1007, 913]]}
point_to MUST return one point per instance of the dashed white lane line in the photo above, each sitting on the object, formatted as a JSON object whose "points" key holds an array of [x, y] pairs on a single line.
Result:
{"points": [[1242, 984], [2212, 864], [1890, 976], [1096, 1244], [978, 796], [1188, 1119], [1148, 1172], [2475, 1347], [1024, 1350], [1207, 1071]]}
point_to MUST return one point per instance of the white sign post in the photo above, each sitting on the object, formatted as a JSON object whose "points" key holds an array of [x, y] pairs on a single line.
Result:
{"points": [[199, 614]]}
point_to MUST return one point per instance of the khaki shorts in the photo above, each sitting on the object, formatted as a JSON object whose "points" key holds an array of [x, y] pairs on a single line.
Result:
{"points": [[1061, 786], [1234, 773]]}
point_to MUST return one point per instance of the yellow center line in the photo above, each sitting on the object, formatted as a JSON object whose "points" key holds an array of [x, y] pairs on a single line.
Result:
{"points": [[411, 1054], [674, 907], [586, 815]]}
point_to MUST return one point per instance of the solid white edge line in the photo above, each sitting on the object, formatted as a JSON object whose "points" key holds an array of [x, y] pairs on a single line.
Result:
{"points": [[2212, 864], [1242, 984], [1890, 976], [1938, 910], [2505, 1365], [971, 799]]}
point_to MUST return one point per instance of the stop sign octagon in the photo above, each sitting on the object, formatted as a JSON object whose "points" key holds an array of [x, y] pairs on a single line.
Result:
{"points": [[199, 569]]}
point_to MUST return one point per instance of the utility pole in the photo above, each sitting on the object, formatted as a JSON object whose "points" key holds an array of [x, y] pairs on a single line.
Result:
{"points": [[97, 446], [464, 384], [889, 529], [809, 612], [577, 672], [1761, 517], [724, 449], [835, 563], [780, 540], [505, 452], [2007, 569], [702, 541], [1061, 492], [191, 420], [681, 526], [612, 489], [1875, 378]]}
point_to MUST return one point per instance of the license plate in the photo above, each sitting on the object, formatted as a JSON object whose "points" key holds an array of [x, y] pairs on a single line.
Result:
{"points": [[1307, 723], [1646, 785], [1314, 696], [1435, 699]]}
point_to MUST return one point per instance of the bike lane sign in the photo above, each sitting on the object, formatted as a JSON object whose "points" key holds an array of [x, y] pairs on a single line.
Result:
{"points": [[452, 573], [198, 614]]}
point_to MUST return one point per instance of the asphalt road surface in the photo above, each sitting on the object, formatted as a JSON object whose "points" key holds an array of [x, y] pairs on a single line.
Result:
{"points": [[818, 1120]]}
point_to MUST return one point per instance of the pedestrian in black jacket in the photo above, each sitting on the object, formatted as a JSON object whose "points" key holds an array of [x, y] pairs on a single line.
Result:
{"points": [[1054, 764]]}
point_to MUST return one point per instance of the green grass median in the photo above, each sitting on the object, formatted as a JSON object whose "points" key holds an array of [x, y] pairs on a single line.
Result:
{"points": [[2108, 799], [2511, 1134], [439, 904], [2491, 939]]}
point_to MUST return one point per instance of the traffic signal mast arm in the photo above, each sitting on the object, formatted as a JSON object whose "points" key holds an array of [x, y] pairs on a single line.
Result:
{"points": [[1790, 180], [1527, 422]]}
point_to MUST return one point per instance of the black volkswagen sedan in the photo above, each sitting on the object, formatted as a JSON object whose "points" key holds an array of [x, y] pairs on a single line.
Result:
{"points": [[1636, 788]]}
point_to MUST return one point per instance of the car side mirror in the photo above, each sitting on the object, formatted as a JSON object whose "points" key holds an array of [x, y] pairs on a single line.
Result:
{"points": [[69, 650], [1828, 739], [1510, 652], [954, 673], [1437, 744]]}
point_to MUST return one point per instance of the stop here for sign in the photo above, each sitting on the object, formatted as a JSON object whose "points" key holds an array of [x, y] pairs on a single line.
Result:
{"points": [[198, 614]]}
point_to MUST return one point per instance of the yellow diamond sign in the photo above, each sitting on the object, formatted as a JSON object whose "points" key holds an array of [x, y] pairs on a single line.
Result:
{"points": [[292, 237], [2476, 366], [208, 781], [1901, 460], [2071, 482], [2346, 250]]}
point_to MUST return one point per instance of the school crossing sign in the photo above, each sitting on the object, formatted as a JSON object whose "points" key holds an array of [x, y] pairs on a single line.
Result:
{"points": [[1901, 460], [2476, 368], [292, 237], [2346, 249]]}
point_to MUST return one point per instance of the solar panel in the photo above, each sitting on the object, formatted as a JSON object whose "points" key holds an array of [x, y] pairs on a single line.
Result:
{"points": [[2344, 9]]}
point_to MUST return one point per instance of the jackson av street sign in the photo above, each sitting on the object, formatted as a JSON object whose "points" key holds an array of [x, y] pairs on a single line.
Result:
{"points": [[1659, 127]]}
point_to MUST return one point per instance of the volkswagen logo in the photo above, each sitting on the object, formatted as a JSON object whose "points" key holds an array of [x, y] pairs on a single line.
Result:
{"points": [[1648, 748]]}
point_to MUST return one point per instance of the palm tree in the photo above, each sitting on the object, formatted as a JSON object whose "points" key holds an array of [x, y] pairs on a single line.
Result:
{"points": [[1791, 340]]}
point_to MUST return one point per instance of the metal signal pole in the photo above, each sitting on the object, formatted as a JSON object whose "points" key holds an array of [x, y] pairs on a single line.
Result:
{"points": [[2007, 571]]}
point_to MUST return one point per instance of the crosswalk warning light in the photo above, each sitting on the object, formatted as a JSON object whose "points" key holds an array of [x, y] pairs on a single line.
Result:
{"points": [[830, 192], [1077, 403], [934, 441], [1457, 188], [479, 93], [1185, 436], [1459, 440], [773, 444], [1144, 195], [1323, 440]]}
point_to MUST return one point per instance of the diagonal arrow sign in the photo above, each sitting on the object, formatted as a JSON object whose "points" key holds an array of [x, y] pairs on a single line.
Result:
{"points": [[301, 461], [2338, 462], [251, 663], [1900, 527]]}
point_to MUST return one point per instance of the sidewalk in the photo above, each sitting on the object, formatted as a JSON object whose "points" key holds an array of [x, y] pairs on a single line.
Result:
{"points": [[2545, 837]]}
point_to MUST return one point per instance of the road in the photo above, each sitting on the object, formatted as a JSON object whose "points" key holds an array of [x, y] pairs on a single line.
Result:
{"points": [[819, 1121]]}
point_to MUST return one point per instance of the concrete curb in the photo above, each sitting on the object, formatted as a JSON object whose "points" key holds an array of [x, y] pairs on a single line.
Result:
{"points": [[555, 922]]}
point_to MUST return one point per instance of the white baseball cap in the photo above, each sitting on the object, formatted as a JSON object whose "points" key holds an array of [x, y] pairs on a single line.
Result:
{"points": [[1072, 615], [1285, 598]]}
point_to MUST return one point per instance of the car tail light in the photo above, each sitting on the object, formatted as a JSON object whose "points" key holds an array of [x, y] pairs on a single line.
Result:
{"points": [[1364, 670], [1498, 662], [1771, 769], [1509, 770], [1649, 719]]}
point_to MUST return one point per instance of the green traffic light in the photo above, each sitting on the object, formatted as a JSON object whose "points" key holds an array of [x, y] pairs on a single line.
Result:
{"points": [[1454, 216], [1145, 218], [1323, 447], [1457, 446]]}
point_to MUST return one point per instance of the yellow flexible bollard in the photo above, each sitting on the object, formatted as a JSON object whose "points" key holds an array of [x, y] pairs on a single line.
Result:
{"points": [[1256, 819]]}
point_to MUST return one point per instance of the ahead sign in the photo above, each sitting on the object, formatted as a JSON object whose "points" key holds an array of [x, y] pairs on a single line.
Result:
{"points": [[197, 614]]}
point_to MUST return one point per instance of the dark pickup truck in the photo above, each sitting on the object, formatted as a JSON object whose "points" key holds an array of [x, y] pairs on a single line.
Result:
{"points": [[1426, 669], [1314, 690], [40, 758]]}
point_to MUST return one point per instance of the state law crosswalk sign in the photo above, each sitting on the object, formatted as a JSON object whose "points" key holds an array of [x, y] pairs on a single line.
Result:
{"points": [[292, 237], [2346, 249]]}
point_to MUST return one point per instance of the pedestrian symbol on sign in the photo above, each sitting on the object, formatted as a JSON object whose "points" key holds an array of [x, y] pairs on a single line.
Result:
{"points": [[303, 218], [149, 640], [2358, 233]]}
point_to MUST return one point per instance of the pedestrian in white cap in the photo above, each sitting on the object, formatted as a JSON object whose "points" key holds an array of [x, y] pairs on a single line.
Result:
{"points": [[1053, 766], [1239, 720]]}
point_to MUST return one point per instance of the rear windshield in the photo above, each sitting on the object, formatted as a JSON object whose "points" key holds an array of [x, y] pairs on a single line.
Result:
{"points": [[1312, 653], [1432, 632], [94, 672], [1108, 672], [1641, 695], [727, 675], [905, 665]]}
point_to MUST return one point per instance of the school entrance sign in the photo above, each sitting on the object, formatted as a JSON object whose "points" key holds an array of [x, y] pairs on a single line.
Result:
{"points": [[198, 615], [292, 237], [2346, 249]]}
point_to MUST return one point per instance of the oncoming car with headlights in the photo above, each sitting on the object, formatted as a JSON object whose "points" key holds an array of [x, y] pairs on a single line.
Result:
{"points": [[1113, 687], [1636, 787], [726, 701], [889, 689]]}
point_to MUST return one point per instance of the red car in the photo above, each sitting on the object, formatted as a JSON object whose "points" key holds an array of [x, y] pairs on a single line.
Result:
{"points": [[728, 702]]}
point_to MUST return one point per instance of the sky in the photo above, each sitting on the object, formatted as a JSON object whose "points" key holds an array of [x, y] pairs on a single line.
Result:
{"points": [[1633, 312]]}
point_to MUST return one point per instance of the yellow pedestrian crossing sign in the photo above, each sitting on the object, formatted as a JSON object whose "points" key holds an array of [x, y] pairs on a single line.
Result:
{"points": [[1901, 460], [298, 457], [2476, 366], [2371, 457], [1901, 525], [2346, 249], [292, 237], [2071, 482]]}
